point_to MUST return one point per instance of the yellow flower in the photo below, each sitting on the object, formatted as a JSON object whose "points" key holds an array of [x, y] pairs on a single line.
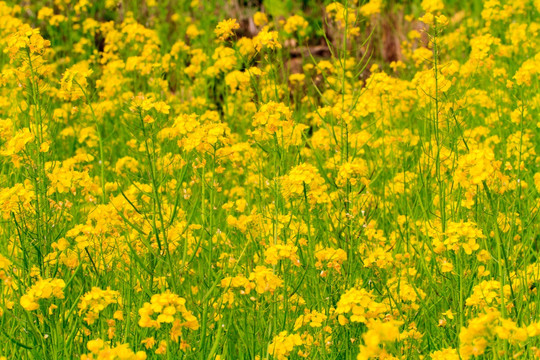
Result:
{"points": [[18, 142], [100, 350], [373, 7], [432, 6], [445, 354], [26, 38], [260, 19], [283, 344], [275, 253], [329, 257], [296, 23], [95, 301], [379, 333], [446, 266], [360, 304], [225, 28], [266, 39], [149, 342], [312, 318], [166, 308], [42, 289], [74, 81], [265, 280]]}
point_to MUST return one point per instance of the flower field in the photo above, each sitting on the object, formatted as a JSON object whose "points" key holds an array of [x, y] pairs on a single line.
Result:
{"points": [[269, 179]]}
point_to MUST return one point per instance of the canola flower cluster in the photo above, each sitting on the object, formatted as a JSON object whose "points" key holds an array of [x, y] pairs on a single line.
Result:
{"points": [[177, 184]]}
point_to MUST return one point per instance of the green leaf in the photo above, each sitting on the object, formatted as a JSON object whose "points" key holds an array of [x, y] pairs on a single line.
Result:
{"points": [[278, 8]]}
